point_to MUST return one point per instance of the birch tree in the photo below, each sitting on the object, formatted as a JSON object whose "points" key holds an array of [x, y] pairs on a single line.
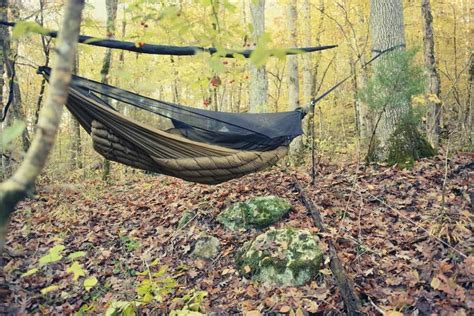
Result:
{"points": [[433, 88], [15, 188], [258, 95]]}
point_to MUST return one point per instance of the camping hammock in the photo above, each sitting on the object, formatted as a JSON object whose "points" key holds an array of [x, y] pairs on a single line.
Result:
{"points": [[204, 147]]}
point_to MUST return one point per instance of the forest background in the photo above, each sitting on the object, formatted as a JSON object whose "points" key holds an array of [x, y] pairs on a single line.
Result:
{"points": [[233, 84]]}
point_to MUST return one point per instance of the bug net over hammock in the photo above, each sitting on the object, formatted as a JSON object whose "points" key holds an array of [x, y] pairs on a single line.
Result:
{"points": [[205, 146]]}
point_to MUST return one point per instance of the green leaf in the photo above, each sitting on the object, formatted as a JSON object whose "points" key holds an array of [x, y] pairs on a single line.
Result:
{"points": [[29, 272], [76, 269], [48, 289], [123, 308], [155, 262], [11, 132], [89, 283], [24, 28], [54, 255], [76, 255]]}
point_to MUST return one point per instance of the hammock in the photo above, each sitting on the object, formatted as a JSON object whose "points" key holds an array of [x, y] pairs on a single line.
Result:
{"points": [[204, 147]]}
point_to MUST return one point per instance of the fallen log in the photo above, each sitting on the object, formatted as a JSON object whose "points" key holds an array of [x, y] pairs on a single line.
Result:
{"points": [[344, 283]]}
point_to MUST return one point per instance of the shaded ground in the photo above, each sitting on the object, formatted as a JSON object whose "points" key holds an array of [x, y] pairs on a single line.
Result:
{"points": [[380, 219]]}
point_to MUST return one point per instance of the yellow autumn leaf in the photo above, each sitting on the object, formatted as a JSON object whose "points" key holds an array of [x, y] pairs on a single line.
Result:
{"points": [[435, 283], [49, 289], [89, 283], [29, 272], [76, 269]]}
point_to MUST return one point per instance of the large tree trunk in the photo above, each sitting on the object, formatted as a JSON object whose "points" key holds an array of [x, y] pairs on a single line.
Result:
{"points": [[111, 6], [387, 30], [258, 95], [15, 188], [433, 84], [296, 147]]}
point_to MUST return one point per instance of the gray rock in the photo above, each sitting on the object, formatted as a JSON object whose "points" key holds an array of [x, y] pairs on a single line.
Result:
{"points": [[259, 212], [206, 247], [185, 218], [284, 257]]}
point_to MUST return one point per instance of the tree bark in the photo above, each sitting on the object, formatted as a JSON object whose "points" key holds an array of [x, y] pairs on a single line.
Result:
{"points": [[75, 146], [111, 6], [296, 146], [15, 188], [387, 30], [3, 35], [433, 83], [258, 95], [469, 104], [7, 62], [17, 109]]}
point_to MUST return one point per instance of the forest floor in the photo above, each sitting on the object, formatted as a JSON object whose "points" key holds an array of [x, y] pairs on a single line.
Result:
{"points": [[401, 239]]}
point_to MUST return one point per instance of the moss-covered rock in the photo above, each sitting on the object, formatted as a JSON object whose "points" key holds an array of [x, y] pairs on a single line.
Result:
{"points": [[185, 218], [285, 257], [206, 247], [257, 212]]}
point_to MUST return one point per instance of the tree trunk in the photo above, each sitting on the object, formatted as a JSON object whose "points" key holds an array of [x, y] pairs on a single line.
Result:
{"points": [[308, 71], [3, 35], [387, 30], [469, 116], [111, 6], [75, 146], [296, 147], [15, 188], [9, 56], [7, 62], [258, 95], [433, 84]]}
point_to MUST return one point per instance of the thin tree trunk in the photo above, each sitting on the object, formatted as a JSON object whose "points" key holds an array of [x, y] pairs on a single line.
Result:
{"points": [[111, 6], [308, 70], [45, 42], [433, 84], [469, 116], [258, 95], [296, 147], [75, 145], [9, 56], [15, 188], [3, 35]]}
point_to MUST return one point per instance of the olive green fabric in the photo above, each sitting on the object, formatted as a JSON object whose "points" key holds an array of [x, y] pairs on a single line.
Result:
{"points": [[127, 141]]}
